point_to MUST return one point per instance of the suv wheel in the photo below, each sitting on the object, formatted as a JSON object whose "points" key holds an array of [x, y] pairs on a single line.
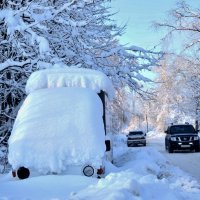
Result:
{"points": [[197, 149], [170, 149]]}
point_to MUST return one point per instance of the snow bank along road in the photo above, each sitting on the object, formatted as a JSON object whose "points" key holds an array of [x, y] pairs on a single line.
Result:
{"points": [[187, 161], [140, 174]]}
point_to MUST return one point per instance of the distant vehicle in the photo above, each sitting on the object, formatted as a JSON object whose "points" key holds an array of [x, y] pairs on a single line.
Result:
{"points": [[61, 126], [181, 137], [136, 138]]}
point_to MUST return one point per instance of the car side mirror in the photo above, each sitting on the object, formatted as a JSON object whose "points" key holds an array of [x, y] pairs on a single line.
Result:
{"points": [[166, 131], [108, 145]]}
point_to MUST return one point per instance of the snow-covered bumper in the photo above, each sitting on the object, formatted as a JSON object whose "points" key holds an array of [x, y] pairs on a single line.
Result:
{"points": [[87, 170]]}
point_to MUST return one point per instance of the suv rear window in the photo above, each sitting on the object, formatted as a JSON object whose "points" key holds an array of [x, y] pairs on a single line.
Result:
{"points": [[135, 133], [182, 129]]}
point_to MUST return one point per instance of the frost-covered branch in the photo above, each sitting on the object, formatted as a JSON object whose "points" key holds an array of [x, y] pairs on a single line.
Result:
{"points": [[183, 19], [11, 63]]}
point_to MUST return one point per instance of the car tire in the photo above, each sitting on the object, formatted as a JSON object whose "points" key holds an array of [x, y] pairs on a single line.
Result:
{"points": [[170, 149], [197, 149], [166, 146], [23, 173]]}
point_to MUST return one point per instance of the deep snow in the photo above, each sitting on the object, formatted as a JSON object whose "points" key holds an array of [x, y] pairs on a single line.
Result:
{"points": [[63, 76], [140, 173]]}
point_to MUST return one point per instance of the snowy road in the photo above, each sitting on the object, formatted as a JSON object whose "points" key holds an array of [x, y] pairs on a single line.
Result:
{"points": [[141, 174], [187, 161]]}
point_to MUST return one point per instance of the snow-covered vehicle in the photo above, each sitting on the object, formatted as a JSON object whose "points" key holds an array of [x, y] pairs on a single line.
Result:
{"points": [[61, 126]]}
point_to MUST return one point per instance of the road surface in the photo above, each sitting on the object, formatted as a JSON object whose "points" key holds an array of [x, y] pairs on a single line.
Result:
{"points": [[187, 161]]}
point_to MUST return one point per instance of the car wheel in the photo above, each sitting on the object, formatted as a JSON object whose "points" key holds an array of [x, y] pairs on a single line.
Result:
{"points": [[166, 146], [170, 149], [197, 149]]}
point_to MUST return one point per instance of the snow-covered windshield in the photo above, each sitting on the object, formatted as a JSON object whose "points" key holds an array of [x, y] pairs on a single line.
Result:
{"points": [[182, 129]]}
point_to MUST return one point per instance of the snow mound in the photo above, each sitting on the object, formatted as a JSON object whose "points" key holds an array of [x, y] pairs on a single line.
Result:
{"points": [[70, 77], [53, 131]]}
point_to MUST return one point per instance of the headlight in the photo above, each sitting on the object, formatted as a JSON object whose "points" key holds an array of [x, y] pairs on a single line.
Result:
{"points": [[196, 137], [173, 138], [88, 170]]}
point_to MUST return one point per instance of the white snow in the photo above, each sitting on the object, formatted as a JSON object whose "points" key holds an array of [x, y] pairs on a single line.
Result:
{"points": [[43, 45], [179, 158], [70, 77], [140, 174], [9, 63], [56, 128]]}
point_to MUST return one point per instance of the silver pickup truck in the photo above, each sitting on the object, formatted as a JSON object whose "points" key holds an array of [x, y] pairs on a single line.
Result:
{"points": [[136, 138]]}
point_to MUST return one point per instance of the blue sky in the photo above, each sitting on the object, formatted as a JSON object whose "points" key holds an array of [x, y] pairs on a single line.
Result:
{"points": [[139, 15]]}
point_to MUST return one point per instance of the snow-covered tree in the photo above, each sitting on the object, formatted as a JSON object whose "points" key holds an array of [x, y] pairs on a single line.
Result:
{"points": [[40, 34], [177, 91], [142, 113], [121, 109], [182, 73], [186, 20]]}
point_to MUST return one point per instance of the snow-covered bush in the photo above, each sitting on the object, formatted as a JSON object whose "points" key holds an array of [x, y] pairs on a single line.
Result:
{"points": [[4, 166]]}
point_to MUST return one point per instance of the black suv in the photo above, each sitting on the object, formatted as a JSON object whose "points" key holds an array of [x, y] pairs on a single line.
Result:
{"points": [[180, 137], [136, 138]]}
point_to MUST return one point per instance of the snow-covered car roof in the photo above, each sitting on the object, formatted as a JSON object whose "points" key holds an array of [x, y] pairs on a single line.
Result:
{"points": [[70, 77], [54, 127]]}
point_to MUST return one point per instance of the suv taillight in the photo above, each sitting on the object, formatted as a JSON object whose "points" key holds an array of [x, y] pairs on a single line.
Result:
{"points": [[100, 171], [14, 173]]}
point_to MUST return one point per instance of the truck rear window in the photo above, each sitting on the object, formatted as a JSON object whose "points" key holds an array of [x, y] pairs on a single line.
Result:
{"points": [[135, 133]]}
